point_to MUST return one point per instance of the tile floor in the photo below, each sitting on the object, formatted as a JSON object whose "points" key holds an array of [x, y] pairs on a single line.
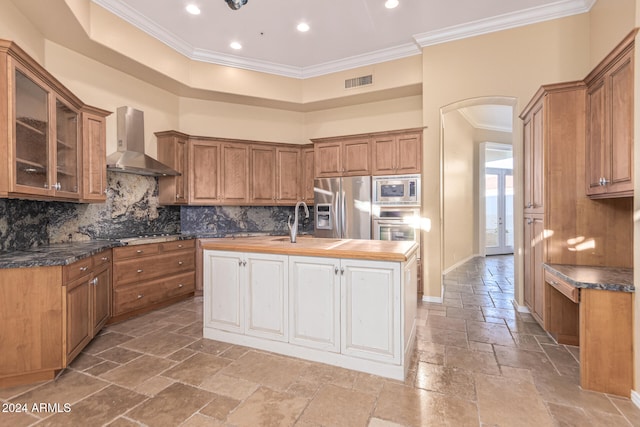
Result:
{"points": [[477, 363]]}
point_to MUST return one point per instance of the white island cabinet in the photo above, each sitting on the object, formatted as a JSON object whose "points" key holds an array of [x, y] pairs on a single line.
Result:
{"points": [[354, 313]]}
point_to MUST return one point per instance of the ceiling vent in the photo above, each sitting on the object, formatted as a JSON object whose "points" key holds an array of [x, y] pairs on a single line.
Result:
{"points": [[358, 81]]}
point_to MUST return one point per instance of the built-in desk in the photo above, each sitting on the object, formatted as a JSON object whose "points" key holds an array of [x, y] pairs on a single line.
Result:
{"points": [[592, 307]]}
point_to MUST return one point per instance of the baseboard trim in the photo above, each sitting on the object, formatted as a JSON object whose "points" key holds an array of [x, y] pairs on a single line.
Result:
{"points": [[437, 300], [519, 308], [459, 263], [635, 398]]}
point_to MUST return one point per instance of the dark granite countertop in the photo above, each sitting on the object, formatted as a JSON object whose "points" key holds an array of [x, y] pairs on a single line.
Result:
{"points": [[68, 253], [591, 277]]}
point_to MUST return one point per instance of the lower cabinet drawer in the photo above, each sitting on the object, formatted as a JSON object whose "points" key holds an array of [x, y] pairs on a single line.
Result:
{"points": [[149, 268], [140, 295], [562, 286]]}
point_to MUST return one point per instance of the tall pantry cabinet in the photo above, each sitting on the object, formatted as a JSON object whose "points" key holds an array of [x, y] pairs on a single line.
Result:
{"points": [[553, 124]]}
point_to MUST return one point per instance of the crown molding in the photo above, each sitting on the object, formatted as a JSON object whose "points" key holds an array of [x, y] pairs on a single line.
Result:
{"points": [[506, 21], [530, 16]]}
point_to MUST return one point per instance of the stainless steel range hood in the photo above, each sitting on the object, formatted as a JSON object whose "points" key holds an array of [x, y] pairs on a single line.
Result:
{"points": [[130, 157]]}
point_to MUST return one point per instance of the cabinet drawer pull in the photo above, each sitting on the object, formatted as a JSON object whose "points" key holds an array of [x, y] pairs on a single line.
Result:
{"points": [[180, 263], [84, 268], [180, 285], [139, 251], [104, 258], [140, 296], [180, 245], [140, 270]]}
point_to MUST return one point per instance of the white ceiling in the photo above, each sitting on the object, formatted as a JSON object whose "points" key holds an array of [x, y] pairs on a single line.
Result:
{"points": [[489, 117], [344, 34]]}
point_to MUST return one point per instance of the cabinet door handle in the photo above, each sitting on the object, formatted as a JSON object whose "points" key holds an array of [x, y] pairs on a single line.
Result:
{"points": [[529, 206], [94, 282], [140, 270], [342, 271], [335, 271], [529, 221], [240, 262], [244, 263], [604, 181]]}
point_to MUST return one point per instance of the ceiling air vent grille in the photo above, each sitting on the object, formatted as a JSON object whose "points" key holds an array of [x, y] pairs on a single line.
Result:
{"points": [[358, 81]]}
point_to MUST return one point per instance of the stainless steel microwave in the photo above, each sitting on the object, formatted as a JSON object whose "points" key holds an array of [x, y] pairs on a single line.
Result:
{"points": [[396, 190]]}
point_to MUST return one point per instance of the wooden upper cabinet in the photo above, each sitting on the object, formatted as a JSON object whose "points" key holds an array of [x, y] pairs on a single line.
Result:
{"points": [[609, 114], [235, 173], [307, 174], [43, 150], [342, 157], [396, 154], [533, 127], [288, 175], [263, 175], [94, 155], [173, 152], [205, 160]]}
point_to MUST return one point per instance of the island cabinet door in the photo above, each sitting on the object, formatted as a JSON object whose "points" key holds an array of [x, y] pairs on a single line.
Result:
{"points": [[314, 302], [371, 310], [223, 277], [267, 288]]}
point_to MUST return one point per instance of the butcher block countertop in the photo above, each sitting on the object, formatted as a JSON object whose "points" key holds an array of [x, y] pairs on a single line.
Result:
{"points": [[375, 250]]}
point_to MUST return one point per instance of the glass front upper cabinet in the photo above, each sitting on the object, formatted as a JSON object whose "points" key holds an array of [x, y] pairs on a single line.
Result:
{"points": [[32, 146], [47, 138]]}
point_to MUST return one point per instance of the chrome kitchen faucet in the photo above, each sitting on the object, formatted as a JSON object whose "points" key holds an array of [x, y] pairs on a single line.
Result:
{"points": [[293, 228]]}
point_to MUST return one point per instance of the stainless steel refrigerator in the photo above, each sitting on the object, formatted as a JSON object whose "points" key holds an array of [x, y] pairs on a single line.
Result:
{"points": [[343, 207]]}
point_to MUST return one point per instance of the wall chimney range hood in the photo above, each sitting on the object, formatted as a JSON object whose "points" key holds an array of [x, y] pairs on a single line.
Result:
{"points": [[130, 156]]}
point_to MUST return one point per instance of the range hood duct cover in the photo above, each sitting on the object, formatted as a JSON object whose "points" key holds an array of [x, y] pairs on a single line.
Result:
{"points": [[130, 157]]}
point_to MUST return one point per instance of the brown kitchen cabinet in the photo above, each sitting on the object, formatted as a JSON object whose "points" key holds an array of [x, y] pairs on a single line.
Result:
{"points": [[609, 110], [153, 275], [172, 151], [219, 171], [533, 141], [342, 156], [94, 154], [553, 128], [534, 255], [288, 176], [87, 289], [397, 153], [263, 175], [67, 307], [275, 176], [307, 174], [44, 148]]}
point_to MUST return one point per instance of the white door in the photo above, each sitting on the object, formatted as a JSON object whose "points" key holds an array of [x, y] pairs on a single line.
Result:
{"points": [[499, 211], [314, 302], [267, 287], [371, 324], [223, 277]]}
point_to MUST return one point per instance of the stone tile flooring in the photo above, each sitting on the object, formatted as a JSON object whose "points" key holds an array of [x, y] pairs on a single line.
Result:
{"points": [[477, 363]]}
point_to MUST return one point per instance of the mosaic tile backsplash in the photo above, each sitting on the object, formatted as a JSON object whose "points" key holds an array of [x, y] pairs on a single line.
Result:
{"points": [[131, 209]]}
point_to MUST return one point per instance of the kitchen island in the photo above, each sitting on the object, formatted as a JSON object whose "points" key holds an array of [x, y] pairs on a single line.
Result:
{"points": [[345, 302]]}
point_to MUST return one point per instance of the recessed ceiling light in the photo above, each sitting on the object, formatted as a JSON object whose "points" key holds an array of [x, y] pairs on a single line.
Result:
{"points": [[235, 45], [390, 4], [193, 9], [303, 27]]}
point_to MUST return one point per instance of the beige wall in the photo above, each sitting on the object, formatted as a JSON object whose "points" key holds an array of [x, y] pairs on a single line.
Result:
{"points": [[401, 113], [459, 190], [510, 63], [609, 22]]}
